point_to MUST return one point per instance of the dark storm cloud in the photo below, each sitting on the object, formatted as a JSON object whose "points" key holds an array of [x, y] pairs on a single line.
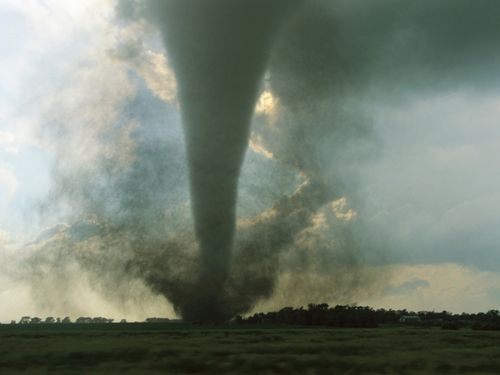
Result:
{"points": [[391, 47]]}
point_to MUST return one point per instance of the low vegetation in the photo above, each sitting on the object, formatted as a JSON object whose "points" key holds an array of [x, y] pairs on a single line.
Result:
{"points": [[166, 348]]}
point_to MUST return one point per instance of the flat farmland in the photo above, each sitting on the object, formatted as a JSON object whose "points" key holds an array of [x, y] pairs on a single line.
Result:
{"points": [[189, 349]]}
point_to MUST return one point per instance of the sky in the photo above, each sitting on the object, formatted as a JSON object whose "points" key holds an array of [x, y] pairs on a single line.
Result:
{"points": [[88, 101]]}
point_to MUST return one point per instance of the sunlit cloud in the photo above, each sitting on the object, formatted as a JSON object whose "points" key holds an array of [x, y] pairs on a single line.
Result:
{"points": [[318, 221], [341, 210], [266, 104], [255, 144]]}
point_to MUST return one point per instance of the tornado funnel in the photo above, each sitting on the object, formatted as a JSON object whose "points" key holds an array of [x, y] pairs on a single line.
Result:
{"points": [[219, 51]]}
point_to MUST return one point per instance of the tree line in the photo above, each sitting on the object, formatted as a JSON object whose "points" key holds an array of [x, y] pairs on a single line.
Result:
{"points": [[368, 317], [80, 320], [325, 315]]}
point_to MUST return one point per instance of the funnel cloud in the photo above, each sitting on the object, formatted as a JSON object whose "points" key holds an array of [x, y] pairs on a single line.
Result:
{"points": [[219, 55]]}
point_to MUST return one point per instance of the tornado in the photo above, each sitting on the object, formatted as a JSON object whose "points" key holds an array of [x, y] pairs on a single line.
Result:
{"points": [[219, 52]]}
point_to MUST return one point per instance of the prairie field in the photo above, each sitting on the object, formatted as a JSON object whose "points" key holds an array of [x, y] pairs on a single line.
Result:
{"points": [[138, 348]]}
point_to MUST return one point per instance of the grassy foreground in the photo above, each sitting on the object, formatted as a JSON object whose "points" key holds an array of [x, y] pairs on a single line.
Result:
{"points": [[182, 349]]}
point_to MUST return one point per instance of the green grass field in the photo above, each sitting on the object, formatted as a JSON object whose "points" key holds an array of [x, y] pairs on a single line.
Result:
{"points": [[182, 349]]}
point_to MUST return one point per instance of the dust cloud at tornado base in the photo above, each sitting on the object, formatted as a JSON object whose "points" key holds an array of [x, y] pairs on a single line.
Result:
{"points": [[129, 217]]}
